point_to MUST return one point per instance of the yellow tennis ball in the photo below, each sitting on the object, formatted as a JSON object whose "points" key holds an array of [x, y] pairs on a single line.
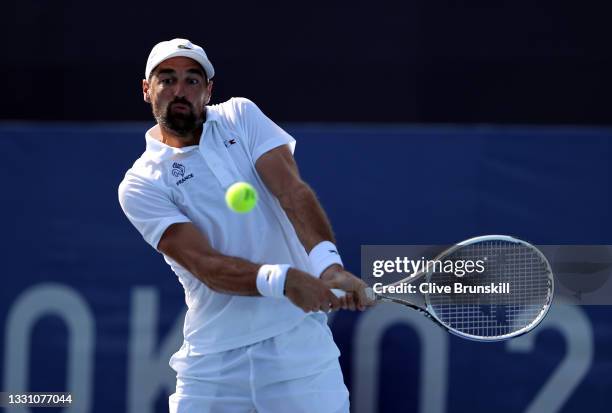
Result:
{"points": [[241, 197]]}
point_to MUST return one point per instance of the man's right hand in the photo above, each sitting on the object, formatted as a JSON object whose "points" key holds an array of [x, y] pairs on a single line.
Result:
{"points": [[309, 293]]}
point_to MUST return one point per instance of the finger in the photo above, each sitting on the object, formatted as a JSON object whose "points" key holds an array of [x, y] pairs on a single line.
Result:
{"points": [[343, 302], [334, 301], [350, 301], [346, 300], [360, 298], [327, 307]]}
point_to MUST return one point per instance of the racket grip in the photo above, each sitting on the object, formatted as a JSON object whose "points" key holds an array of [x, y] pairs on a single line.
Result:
{"points": [[341, 293], [338, 293]]}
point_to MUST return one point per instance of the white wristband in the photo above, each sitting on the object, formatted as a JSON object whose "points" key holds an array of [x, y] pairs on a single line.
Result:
{"points": [[271, 280], [322, 256]]}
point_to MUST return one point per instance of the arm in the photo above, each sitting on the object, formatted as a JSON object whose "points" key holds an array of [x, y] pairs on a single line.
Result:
{"points": [[279, 172], [154, 214], [184, 243]]}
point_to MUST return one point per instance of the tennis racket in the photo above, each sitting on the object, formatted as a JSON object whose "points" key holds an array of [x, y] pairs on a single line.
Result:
{"points": [[483, 316]]}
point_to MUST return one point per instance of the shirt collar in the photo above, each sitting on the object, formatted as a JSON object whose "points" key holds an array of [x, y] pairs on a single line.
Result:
{"points": [[211, 115]]}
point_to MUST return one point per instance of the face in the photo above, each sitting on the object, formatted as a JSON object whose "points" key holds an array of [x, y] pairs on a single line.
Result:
{"points": [[178, 92]]}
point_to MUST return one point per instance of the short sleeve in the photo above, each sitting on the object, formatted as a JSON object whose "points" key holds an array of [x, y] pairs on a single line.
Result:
{"points": [[148, 208], [262, 134]]}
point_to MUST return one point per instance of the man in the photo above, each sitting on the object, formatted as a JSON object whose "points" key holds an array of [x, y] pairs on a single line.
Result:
{"points": [[256, 285]]}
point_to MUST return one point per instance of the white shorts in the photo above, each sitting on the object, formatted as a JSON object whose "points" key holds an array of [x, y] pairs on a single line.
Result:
{"points": [[297, 372]]}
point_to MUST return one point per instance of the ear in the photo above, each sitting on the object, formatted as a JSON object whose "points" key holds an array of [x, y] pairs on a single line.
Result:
{"points": [[209, 87], [146, 91]]}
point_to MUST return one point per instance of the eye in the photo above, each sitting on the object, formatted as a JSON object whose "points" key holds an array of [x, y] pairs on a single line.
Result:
{"points": [[165, 81], [193, 81]]}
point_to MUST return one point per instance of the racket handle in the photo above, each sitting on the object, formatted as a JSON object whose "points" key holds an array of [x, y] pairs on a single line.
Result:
{"points": [[341, 293], [338, 293]]}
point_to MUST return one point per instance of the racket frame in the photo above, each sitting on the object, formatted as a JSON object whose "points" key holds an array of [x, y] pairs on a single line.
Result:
{"points": [[429, 312]]}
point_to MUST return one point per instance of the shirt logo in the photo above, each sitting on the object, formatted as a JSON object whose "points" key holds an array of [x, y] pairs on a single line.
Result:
{"points": [[229, 142], [179, 170]]}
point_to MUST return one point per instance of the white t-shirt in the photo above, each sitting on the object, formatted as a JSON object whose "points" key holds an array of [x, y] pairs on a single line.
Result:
{"points": [[168, 185]]}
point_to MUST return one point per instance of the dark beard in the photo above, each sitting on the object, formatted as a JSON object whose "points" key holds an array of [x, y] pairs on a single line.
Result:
{"points": [[182, 124]]}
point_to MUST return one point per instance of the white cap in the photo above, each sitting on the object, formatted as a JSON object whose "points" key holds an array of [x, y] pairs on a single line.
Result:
{"points": [[178, 47]]}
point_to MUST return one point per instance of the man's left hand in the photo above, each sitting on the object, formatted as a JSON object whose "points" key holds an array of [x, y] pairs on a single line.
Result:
{"points": [[355, 299]]}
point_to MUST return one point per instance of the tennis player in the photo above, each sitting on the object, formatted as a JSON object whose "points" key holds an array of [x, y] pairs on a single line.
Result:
{"points": [[257, 285]]}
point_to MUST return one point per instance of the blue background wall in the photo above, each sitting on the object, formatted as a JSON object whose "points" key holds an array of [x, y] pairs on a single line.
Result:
{"points": [[87, 306]]}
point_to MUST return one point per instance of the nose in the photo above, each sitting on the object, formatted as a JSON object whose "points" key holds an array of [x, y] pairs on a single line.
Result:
{"points": [[179, 90]]}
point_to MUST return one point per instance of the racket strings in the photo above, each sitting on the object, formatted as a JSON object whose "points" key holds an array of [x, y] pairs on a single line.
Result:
{"points": [[490, 314]]}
